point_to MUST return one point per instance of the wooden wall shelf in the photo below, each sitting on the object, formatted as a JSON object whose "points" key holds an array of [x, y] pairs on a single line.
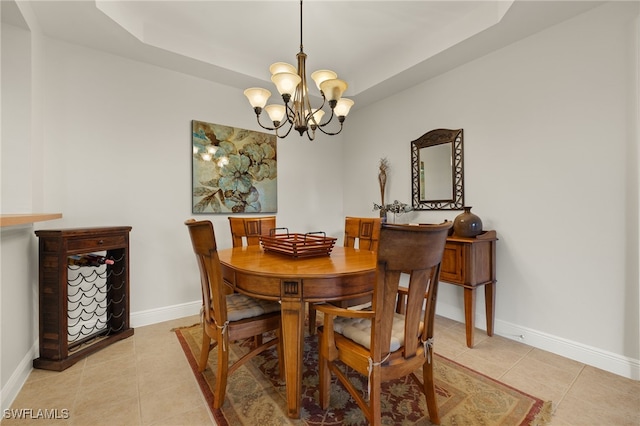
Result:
{"points": [[21, 219]]}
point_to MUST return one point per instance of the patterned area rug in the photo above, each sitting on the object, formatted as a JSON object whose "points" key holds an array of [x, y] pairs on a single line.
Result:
{"points": [[255, 395]]}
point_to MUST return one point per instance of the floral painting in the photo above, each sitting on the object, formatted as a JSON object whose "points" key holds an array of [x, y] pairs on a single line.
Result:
{"points": [[234, 170]]}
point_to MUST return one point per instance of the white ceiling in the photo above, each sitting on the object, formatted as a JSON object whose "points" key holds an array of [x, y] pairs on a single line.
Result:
{"points": [[378, 47]]}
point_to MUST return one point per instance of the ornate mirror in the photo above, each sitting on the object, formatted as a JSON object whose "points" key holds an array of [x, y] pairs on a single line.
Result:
{"points": [[437, 171]]}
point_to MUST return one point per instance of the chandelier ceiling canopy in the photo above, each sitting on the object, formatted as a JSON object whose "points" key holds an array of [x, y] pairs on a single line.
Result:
{"points": [[296, 111]]}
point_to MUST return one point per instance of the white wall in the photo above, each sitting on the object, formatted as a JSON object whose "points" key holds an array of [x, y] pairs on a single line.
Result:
{"points": [[21, 183], [548, 131], [118, 141], [16, 99], [550, 155]]}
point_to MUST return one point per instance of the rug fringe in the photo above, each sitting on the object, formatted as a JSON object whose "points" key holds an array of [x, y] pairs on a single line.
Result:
{"points": [[184, 326], [544, 416]]}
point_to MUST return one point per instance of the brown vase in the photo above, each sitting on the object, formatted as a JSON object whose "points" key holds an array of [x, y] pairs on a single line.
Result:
{"points": [[467, 224]]}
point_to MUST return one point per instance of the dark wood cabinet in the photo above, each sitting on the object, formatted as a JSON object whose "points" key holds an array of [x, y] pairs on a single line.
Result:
{"points": [[82, 308], [471, 263]]}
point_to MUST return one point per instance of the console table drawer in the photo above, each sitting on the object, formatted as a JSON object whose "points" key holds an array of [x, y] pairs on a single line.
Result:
{"points": [[96, 243]]}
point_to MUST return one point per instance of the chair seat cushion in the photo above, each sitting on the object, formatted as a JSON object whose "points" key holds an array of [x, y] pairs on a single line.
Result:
{"points": [[359, 330], [241, 306]]}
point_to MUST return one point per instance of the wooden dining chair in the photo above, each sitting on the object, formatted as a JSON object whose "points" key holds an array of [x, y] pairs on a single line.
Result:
{"points": [[228, 317], [246, 231], [378, 342], [401, 305], [362, 233]]}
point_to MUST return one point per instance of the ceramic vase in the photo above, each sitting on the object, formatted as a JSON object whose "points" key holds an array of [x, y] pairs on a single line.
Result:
{"points": [[467, 224]]}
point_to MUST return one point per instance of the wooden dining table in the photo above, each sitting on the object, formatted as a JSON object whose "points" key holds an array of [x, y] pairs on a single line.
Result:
{"points": [[344, 274]]}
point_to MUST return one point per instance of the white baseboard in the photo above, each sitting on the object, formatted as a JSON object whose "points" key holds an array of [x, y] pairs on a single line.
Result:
{"points": [[11, 389], [595, 357], [167, 313]]}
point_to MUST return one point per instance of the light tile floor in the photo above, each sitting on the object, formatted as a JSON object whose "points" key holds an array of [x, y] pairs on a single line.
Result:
{"points": [[146, 380]]}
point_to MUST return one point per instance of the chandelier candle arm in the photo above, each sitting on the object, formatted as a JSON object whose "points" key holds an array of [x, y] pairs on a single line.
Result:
{"points": [[342, 108], [321, 75], [279, 67], [257, 97], [286, 83], [276, 113], [315, 119], [333, 89], [297, 111]]}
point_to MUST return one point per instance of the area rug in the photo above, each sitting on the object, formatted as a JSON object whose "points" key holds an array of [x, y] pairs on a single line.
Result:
{"points": [[255, 395]]}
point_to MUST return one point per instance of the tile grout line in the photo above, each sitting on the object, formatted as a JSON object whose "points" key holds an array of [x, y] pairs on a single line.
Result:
{"points": [[77, 389], [135, 354], [573, 382], [515, 364]]}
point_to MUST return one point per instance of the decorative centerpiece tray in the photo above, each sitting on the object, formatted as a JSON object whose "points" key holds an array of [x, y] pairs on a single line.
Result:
{"points": [[298, 245]]}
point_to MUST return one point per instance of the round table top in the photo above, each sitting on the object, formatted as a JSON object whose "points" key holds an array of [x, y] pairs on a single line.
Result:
{"points": [[342, 261]]}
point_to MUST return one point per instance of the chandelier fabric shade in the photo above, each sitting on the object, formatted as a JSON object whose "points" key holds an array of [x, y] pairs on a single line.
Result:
{"points": [[296, 111]]}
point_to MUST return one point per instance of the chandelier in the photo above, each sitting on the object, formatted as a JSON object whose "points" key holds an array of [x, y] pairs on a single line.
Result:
{"points": [[297, 112]]}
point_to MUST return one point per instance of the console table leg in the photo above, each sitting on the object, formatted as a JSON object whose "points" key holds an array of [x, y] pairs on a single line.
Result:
{"points": [[490, 302], [469, 313]]}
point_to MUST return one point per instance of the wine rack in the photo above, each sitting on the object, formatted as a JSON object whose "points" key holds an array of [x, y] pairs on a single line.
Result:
{"points": [[82, 308]]}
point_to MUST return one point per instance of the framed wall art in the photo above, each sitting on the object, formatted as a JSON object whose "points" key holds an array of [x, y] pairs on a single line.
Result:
{"points": [[234, 170]]}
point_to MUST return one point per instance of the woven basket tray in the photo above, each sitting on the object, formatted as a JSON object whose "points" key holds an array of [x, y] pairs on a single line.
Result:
{"points": [[298, 245]]}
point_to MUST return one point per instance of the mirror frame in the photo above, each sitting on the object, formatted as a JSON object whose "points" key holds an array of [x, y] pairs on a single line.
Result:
{"points": [[438, 137]]}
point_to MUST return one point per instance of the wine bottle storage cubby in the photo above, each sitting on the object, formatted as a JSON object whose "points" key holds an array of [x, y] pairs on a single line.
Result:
{"points": [[90, 311], [84, 293]]}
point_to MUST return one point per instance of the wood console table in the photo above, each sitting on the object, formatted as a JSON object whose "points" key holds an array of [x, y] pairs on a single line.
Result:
{"points": [[82, 308], [471, 263]]}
